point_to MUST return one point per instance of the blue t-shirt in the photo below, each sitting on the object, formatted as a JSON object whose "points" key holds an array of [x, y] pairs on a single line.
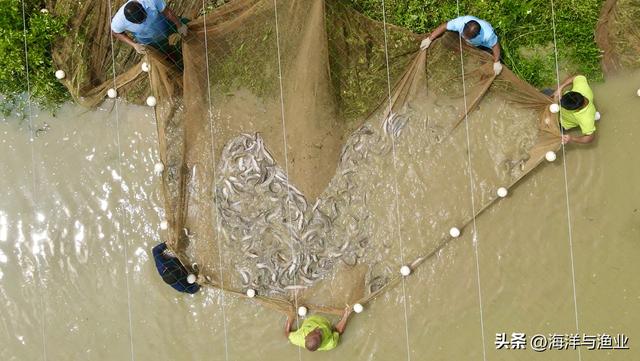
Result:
{"points": [[172, 271], [153, 29], [487, 37]]}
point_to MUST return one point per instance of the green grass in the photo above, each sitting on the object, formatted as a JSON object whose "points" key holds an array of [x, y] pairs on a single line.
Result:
{"points": [[525, 28], [42, 29]]}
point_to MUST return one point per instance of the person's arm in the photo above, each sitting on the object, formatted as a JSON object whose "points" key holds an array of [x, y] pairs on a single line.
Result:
{"points": [[584, 139], [438, 32], [124, 38], [171, 16], [496, 53], [342, 324], [287, 326], [140, 49], [426, 42], [564, 84], [497, 65]]}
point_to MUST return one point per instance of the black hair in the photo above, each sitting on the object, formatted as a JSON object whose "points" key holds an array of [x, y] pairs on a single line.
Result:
{"points": [[572, 101], [471, 29], [313, 340], [134, 12]]}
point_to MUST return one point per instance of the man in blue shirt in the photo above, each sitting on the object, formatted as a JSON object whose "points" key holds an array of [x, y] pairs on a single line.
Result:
{"points": [[150, 22], [172, 271], [474, 31]]}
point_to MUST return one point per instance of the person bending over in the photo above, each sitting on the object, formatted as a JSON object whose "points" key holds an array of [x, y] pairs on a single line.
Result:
{"points": [[316, 332], [474, 31], [577, 109], [150, 22], [172, 271]]}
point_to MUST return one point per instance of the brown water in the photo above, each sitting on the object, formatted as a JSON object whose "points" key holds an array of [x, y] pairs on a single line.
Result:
{"points": [[77, 222]]}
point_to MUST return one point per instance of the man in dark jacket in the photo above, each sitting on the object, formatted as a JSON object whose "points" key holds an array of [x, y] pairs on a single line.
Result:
{"points": [[172, 271]]}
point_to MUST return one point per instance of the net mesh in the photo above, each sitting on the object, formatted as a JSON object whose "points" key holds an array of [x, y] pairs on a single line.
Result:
{"points": [[277, 142], [618, 36]]}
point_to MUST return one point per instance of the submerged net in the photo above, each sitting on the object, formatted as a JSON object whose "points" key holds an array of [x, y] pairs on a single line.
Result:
{"points": [[310, 152]]}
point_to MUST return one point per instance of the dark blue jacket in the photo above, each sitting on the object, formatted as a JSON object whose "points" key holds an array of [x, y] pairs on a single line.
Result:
{"points": [[172, 271]]}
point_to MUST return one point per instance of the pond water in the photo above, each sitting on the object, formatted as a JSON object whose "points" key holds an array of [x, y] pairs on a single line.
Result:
{"points": [[79, 215]]}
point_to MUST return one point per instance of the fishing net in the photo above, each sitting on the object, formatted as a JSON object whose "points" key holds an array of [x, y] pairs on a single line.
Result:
{"points": [[310, 151], [618, 35]]}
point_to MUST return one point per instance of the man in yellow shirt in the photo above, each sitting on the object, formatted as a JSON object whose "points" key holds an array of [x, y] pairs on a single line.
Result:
{"points": [[316, 332], [577, 110]]}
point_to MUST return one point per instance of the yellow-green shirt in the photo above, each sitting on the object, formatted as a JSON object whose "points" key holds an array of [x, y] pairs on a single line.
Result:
{"points": [[584, 118], [329, 337]]}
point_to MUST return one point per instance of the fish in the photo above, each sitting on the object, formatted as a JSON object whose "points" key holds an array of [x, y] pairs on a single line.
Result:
{"points": [[295, 287], [245, 276]]}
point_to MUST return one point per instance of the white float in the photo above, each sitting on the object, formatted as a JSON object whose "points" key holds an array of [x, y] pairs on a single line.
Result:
{"points": [[151, 101], [112, 93], [405, 270], [502, 192], [164, 225], [145, 67], [60, 74], [302, 311], [638, 92], [454, 232], [191, 279], [550, 156], [357, 308], [158, 168], [554, 108], [251, 293]]}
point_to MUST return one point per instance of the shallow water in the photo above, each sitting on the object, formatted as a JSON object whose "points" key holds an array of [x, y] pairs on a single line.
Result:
{"points": [[77, 222]]}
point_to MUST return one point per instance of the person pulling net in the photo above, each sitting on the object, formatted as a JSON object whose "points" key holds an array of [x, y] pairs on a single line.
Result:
{"points": [[276, 144], [150, 23]]}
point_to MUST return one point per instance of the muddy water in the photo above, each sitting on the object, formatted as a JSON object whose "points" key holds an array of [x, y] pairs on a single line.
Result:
{"points": [[77, 221]]}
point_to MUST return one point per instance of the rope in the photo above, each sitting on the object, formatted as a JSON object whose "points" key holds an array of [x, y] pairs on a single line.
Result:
{"points": [[395, 180], [566, 182], [472, 194], [215, 204], [33, 171], [126, 244], [286, 158]]}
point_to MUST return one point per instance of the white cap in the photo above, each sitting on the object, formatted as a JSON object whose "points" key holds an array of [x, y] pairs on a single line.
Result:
{"points": [[638, 92], [164, 224], [60, 74], [251, 293], [502, 192], [191, 279], [598, 116], [554, 108], [357, 308], [112, 93], [550, 156], [454, 232], [145, 67], [151, 101], [405, 270], [158, 167], [302, 311]]}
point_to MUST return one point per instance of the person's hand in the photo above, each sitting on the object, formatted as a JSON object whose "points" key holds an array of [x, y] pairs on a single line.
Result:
{"points": [[182, 30], [424, 45], [566, 138], [140, 49], [497, 68]]}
